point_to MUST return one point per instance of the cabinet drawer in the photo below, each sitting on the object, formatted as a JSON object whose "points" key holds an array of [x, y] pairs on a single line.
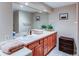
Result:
{"points": [[66, 41], [66, 45], [34, 44], [66, 50]]}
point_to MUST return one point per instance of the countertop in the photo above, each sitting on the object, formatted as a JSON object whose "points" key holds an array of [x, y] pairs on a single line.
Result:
{"points": [[28, 39], [34, 37]]}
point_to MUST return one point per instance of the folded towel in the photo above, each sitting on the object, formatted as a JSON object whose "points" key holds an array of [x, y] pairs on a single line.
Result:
{"points": [[11, 46], [14, 49], [37, 31]]}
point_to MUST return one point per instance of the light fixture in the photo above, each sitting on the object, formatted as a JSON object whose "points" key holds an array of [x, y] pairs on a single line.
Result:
{"points": [[45, 10], [26, 3]]}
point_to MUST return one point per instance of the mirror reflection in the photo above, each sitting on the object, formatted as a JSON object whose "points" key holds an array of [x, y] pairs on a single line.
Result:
{"points": [[27, 16]]}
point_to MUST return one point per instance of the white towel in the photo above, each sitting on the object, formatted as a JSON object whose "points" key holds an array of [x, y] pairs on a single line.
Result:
{"points": [[7, 46]]}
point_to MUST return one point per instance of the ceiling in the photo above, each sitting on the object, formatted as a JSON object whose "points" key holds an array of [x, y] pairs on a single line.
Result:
{"points": [[58, 4], [17, 6], [21, 6]]}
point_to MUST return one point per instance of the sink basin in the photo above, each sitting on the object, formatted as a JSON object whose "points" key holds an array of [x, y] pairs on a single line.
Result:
{"points": [[31, 36], [27, 39]]}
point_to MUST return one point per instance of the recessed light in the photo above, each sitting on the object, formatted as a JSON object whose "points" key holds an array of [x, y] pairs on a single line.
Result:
{"points": [[26, 3], [45, 10], [21, 6]]}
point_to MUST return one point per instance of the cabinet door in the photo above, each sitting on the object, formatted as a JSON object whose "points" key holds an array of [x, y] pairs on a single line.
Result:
{"points": [[50, 42], [54, 39], [33, 52], [34, 44], [38, 51], [45, 46], [32, 47]]}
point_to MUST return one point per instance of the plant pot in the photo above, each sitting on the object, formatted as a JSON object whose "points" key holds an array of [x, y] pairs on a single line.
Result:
{"points": [[49, 29], [44, 29]]}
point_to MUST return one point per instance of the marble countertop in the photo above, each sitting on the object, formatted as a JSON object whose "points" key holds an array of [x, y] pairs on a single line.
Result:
{"points": [[34, 37]]}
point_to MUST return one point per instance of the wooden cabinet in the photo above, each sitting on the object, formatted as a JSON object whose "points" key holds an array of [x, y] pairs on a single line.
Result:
{"points": [[38, 51], [43, 46], [54, 39], [32, 47], [50, 42], [66, 45], [34, 44]]}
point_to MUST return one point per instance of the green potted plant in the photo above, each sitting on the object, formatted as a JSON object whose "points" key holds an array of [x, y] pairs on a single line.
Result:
{"points": [[44, 27], [49, 27]]}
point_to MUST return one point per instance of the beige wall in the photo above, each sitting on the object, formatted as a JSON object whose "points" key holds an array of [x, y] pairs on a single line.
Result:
{"points": [[77, 9], [6, 21], [43, 20], [65, 27]]}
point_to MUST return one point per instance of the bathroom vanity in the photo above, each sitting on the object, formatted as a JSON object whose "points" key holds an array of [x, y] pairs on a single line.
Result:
{"points": [[43, 44]]}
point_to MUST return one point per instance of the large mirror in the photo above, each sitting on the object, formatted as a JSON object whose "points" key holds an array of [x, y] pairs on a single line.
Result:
{"points": [[26, 17]]}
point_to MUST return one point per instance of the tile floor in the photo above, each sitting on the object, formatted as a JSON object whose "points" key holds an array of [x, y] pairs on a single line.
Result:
{"points": [[56, 52]]}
